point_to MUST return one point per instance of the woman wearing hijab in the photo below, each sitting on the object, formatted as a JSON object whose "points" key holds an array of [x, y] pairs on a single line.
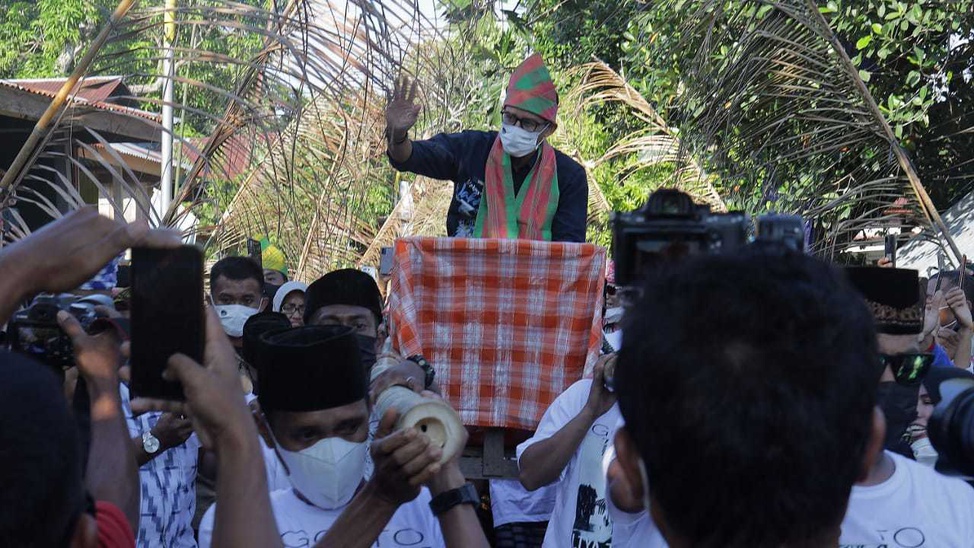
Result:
{"points": [[289, 300]]}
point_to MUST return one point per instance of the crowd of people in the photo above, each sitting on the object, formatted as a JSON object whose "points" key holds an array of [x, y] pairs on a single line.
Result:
{"points": [[761, 399]]}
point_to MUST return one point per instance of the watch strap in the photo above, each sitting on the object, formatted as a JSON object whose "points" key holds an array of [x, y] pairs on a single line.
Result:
{"points": [[445, 501], [427, 367]]}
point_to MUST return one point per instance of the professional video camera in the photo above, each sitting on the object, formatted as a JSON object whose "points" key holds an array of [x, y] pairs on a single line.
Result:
{"points": [[951, 428], [670, 226], [35, 331]]}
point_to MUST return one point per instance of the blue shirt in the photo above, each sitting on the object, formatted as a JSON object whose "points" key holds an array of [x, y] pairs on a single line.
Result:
{"points": [[940, 357], [462, 158]]}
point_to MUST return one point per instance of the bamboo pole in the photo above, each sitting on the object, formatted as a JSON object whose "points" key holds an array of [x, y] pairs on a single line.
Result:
{"points": [[901, 156], [166, 175], [42, 129]]}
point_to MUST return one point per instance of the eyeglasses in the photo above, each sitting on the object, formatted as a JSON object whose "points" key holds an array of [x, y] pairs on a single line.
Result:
{"points": [[526, 124], [908, 369], [289, 309]]}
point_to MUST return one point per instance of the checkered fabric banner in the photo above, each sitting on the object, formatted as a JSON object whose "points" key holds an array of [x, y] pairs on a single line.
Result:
{"points": [[508, 324]]}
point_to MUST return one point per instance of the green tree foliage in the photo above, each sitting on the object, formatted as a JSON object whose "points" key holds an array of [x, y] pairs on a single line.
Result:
{"points": [[41, 38], [915, 56]]}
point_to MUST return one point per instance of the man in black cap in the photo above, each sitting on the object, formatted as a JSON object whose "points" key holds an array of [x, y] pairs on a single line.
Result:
{"points": [[351, 297], [314, 399], [901, 499]]}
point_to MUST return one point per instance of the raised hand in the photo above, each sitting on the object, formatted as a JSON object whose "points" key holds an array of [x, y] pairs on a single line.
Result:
{"points": [[931, 317], [957, 301], [98, 356], [402, 110], [600, 398], [68, 252]]}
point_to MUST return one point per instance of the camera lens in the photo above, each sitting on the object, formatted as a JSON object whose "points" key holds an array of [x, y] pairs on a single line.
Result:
{"points": [[951, 427]]}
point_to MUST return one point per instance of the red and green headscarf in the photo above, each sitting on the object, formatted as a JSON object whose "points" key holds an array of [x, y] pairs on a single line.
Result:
{"points": [[528, 213]]}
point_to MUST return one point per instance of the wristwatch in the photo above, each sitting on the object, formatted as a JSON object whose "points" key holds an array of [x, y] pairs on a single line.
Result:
{"points": [[150, 443], [426, 367], [454, 497]]}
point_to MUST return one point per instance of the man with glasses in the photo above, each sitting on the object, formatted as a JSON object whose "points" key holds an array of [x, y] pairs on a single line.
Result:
{"points": [[900, 502], [508, 184]]}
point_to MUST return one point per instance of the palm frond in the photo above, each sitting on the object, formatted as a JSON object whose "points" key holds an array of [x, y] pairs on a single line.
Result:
{"points": [[278, 130], [772, 104], [654, 144]]}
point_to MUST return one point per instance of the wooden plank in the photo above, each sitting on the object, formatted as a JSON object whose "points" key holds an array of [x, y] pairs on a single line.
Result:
{"points": [[489, 461], [496, 463]]}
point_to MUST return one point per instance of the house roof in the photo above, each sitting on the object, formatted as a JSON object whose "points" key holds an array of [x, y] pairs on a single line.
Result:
{"points": [[96, 92], [92, 89]]}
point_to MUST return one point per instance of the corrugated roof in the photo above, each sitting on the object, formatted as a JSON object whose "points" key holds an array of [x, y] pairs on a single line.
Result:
{"points": [[42, 87], [93, 89]]}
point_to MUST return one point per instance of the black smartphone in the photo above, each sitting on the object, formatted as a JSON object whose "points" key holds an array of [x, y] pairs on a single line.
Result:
{"points": [[891, 249], [254, 252], [166, 316]]}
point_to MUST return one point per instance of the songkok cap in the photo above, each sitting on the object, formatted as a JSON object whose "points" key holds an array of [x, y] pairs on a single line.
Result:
{"points": [[257, 325], [531, 89], [310, 368], [892, 295], [349, 287]]}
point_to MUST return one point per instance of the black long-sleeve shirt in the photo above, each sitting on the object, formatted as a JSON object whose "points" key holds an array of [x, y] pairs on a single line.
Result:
{"points": [[462, 158]]}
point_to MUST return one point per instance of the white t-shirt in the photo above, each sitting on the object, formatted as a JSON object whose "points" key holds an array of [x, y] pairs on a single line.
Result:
{"points": [[510, 502], [916, 507], [580, 518], [303, 525]]}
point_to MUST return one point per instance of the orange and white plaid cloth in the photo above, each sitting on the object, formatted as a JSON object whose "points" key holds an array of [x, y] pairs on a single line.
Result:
{"points": [[507, 324]]}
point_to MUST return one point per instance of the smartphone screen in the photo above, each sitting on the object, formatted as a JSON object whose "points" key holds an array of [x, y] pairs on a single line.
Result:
{"points": [[891, 249], [166, 316], [254, 252]]}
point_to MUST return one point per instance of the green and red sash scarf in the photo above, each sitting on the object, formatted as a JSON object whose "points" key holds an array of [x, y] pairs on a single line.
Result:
{"points": [[526, 214]]}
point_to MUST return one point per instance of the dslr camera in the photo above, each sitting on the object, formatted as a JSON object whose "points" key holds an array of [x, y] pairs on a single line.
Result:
{"points": [[35, 332], [670, 226]]}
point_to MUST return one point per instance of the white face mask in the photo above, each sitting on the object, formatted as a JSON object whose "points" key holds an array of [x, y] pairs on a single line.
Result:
{"points": [[519, 142], [233, 317], [924, 452], [328, 472]]}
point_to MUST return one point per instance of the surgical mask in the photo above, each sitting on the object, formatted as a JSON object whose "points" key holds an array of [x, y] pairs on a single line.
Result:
{"points": [[328, 472], [366, 347], [233, 317], [924, 452], [517, 141], [899, 405]]}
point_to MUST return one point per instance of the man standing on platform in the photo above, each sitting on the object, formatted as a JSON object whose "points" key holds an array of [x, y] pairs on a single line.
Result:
{"points": [[507, 184]]}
